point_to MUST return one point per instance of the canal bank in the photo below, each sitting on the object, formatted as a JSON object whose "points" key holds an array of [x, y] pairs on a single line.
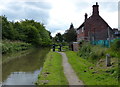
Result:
{"points": [[52, 72], [24, 69]]}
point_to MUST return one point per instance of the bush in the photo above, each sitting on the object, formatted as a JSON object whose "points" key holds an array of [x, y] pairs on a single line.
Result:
{"points": [[91, 52], [9, 46], [85, 50], [115, 46], [114, 50], [95, 52]]}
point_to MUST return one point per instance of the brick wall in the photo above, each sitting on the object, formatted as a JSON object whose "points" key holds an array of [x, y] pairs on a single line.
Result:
{"points": [[75, 46]]}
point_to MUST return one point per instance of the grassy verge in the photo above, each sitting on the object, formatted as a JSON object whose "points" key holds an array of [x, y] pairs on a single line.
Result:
{"points": [[92, 74], [52, 73], [13, 46], [92, 52]]}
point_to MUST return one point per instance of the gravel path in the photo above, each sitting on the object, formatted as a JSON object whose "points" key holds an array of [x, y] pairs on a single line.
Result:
{"points": [[69, 72]]}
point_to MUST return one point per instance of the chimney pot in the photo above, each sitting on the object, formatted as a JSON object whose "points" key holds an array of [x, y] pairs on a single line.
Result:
{"points": [[96, 3], [86, 16]]}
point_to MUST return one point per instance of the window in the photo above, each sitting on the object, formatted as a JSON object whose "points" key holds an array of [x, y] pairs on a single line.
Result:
{"points": [[82, 29], [78, 31]]}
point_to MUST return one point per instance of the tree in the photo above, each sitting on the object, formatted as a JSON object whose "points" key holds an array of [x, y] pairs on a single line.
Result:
{"points": [[44, 36], [27, 31], [33, 35], [58, 37], [70, 35], [8, 30], [5, 27]]}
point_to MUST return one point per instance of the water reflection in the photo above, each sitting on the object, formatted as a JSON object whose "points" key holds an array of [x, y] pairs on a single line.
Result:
{"points": [[22, 78], [24, 70]]}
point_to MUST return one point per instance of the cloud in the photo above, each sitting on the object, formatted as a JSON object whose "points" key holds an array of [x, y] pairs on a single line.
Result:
{"points": [[38, 11], [57, 15], [109, 6], [88, 1], [56, 27], [109, 12], [119, 15], [43, 5], [66, 11]]}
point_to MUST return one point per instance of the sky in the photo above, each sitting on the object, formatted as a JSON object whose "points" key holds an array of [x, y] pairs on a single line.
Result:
{"points": [[57, 15]]}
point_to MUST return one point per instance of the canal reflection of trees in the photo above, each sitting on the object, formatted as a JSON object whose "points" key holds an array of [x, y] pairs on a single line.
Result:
{"points": [[28, 63]]}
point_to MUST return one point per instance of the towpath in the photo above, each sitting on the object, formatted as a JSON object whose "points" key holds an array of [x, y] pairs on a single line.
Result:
{"points": [[69, 72]]}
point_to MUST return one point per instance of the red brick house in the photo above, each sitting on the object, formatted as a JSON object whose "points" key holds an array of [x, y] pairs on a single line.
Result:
{"points": [[94, 27]]}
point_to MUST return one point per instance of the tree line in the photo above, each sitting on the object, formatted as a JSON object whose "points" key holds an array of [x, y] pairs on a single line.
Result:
{"points": [[69, 36], [28, 31]]}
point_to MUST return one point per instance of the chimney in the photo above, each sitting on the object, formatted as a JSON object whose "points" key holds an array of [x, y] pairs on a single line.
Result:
{"points": [[96, 9], [71, 26], [86, 16]]}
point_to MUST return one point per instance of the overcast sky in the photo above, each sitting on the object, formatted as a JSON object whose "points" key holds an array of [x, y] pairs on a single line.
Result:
{"points": [[57, 15]]}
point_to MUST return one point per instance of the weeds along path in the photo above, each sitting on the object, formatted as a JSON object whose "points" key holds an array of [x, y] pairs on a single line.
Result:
{"points": [[69, 72]]}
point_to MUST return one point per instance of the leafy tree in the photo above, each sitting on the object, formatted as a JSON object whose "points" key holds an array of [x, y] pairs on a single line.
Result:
{"points": [[70, 35], [20, 34], [5, 28], [58, 37], [28, 31], [33, 35]]}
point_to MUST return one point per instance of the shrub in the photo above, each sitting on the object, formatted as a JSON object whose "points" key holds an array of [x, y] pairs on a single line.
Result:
{"points": [[92, 52], [10, 46], [114, 50], [95, 52], [115, 46], [85, 50]]}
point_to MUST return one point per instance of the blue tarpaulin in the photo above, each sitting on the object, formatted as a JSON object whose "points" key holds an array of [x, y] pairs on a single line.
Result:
{"points": [[103, 42]]}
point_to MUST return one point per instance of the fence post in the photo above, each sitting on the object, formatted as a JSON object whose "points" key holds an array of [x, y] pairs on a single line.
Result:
{"points": [[108, 60], [53, 47]]}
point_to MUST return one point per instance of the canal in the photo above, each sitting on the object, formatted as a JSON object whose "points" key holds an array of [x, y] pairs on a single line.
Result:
{"points": [[24, 70]]}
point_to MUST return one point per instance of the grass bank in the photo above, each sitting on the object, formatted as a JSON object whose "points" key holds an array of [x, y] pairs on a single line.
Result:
{"points": [[94, 74], [14, 46], [52, 73], [94, 53]]}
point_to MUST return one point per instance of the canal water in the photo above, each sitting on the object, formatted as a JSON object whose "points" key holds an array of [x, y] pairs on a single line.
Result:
{"points": [[24, 70]]}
